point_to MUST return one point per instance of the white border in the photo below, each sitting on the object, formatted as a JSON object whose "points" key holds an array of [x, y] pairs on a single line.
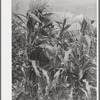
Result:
{"points": [[6, 61], [6, 89]]}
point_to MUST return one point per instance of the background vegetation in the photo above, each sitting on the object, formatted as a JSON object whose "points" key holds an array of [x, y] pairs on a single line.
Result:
{"points": [[49, 62]]}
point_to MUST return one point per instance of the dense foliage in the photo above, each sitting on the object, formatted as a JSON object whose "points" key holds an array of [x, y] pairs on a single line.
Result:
{"points": [[49, 62]]}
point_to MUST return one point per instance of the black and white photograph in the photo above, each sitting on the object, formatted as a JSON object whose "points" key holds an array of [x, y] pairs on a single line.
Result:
{"points": [[54, 50]]}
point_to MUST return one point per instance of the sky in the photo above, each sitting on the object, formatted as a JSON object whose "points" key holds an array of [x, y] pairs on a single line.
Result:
{"points": [[71, 7]]}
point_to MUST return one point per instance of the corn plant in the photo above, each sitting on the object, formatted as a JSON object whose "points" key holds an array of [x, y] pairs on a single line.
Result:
{"points": [[52, 64]]}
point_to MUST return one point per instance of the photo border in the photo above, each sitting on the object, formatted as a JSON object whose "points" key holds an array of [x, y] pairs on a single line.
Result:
{"points": [[6, 8]]}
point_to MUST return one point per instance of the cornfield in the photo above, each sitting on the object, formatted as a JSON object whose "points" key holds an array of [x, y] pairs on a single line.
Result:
{"points": [[50, 62]]}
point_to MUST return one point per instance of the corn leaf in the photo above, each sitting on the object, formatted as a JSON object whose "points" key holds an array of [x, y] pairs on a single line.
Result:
{"points": [[34, 17]]}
